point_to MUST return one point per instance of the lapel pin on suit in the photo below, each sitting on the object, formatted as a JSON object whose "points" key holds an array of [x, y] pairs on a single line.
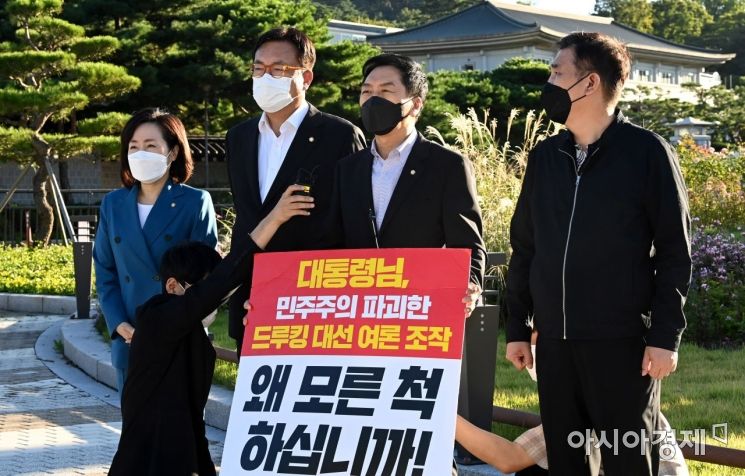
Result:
{"points": [[311, 139], [412, 172], [173, 204]]}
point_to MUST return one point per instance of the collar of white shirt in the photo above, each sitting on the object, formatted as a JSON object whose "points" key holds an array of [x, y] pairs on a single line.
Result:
{"points": [[294, 121], [400, 153]]}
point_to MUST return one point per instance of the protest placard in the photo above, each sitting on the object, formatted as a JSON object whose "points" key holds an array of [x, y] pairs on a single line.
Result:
{"points": [[350, 364]]}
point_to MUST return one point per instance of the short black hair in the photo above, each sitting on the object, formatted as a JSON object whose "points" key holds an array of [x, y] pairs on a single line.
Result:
{"points": [[602, 54], [412, 75], [306, 51], [188, 262]]}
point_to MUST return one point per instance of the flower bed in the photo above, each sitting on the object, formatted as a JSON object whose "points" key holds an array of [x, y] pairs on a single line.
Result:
{"points": [[716, 300]]}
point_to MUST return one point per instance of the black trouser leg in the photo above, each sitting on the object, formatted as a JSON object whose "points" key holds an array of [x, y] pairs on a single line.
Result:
{"points": [[563, 410], [587, 385], [623, 405]]}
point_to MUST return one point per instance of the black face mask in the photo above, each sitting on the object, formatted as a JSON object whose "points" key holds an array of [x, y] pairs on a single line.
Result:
{"points": [[556, 101], [380, 116]]}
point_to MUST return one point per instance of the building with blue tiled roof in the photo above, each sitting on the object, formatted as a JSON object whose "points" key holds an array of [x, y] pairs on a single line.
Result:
{"points": [[486, 35]]}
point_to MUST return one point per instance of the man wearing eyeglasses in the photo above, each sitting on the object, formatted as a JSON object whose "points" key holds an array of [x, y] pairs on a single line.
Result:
{"points": [[291, 142]]}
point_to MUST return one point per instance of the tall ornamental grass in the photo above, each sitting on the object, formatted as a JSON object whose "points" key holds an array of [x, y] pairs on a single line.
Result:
{"points": [[498, 165]]}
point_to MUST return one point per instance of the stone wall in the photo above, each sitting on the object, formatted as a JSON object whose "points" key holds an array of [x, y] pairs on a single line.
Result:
{"points": [[98, 177]]}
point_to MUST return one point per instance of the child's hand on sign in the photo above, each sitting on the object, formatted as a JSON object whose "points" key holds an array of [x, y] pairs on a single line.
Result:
{"points": [[473, 293], [248, 307]]}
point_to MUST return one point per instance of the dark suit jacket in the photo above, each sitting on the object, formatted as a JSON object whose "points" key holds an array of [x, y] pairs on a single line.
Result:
{"points": [[170, 373], [321, 140], [433, 205]]}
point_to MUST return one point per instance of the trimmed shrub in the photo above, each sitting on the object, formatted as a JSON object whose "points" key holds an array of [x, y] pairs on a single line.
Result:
{"points": [[715, 184], [47, 270]]}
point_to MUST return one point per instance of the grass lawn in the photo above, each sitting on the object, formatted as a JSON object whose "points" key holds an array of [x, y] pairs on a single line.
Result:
{"points": [[225, 372], [708, 388]]}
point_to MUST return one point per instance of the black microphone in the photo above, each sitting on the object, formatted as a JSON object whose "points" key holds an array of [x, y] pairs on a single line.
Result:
{"points": [[307, 179], [374, 225]]}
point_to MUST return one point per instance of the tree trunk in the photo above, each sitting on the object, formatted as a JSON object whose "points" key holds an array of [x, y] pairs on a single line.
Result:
{"points": [[44, 211]]}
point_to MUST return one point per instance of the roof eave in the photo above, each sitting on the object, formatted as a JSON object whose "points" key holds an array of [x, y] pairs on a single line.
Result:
{"points": [[662, 53], [457, 44], [542, 35]]}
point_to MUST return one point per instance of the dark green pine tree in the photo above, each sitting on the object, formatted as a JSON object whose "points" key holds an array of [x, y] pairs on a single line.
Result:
{"points": [[679, 20], [50, 70], [197, 60]]}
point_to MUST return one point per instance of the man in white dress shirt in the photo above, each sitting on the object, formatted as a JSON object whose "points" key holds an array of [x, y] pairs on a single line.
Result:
{"points": [[405, 191], [291, 141]]}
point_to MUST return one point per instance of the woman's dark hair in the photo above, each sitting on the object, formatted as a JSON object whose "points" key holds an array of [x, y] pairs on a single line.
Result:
{"points": [[601, 54], [174, 134], [306, 51], [412, 75], [188, 262]]}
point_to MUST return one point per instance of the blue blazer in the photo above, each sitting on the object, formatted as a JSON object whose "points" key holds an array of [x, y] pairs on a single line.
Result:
{"points": [[127, 256]]}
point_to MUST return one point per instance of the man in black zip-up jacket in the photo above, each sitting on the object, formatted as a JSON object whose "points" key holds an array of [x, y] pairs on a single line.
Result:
{"points": [[600, 267]]}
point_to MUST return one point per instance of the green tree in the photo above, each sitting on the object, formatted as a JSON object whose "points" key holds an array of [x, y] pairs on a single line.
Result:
{"points": [[524, 78], [106, 15], [717, 8], [338, 78], [516, 84], [634, 13], [341, 10], [412, 17], [454, 92], [651, 110], [6, 28], [404, 13], [679, 20], [726, 107], [50, 71], [727, 34], [198, 60]]}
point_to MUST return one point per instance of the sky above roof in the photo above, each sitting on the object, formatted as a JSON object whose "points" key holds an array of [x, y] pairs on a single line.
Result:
{"points": [[581, 7]]}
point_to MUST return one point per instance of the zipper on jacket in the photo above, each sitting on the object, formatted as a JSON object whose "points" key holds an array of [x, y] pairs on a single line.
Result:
{"points": [[569, 234]]}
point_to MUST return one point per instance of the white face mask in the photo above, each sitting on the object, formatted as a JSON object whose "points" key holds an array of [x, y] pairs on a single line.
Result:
{"points": [[147, 167], [272, 94], [531, 372]]}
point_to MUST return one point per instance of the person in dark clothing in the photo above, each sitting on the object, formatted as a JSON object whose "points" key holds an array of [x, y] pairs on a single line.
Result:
{"points": [[172, 360], [600, 266], [404, 191], [290, 142]]}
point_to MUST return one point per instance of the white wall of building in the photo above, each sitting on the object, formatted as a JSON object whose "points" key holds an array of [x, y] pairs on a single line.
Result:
{"points": [[338, 35], [664, 79], [481, 60]]}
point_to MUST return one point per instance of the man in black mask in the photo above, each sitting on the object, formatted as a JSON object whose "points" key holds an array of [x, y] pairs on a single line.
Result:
{"points": [[405, 191], [600, 267]]}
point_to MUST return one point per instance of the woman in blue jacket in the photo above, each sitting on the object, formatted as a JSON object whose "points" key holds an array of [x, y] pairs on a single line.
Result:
{"points": [[138, 223]]}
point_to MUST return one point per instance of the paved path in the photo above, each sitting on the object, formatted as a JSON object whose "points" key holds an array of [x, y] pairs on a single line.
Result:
{"points": [[47, 425], [55, 419]]}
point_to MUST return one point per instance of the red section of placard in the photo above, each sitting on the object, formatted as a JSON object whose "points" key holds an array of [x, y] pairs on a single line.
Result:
{"points": [[388, 302]]}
